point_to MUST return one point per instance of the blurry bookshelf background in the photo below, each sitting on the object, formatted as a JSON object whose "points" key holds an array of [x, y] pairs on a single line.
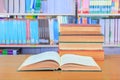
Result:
{"points": [[33, 26]]}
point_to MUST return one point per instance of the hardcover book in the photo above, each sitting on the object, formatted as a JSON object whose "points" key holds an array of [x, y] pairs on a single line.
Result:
{"points": [[52, 61]]}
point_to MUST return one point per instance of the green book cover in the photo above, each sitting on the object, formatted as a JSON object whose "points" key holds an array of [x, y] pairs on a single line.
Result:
{"points": [[37, 5], [4, 52]]}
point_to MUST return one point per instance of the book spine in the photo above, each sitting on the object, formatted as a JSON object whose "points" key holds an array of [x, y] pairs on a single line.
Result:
{"points": [[16, 6], [7, 5], [118, 31], [22, 6], [11, 6], [51, 32], [119, 7], [112, 31], [28, 31]]}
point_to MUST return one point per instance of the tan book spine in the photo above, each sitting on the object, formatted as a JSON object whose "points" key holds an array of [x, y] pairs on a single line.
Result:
{"points": [[96, 54], [81, 39], [80, 46]]}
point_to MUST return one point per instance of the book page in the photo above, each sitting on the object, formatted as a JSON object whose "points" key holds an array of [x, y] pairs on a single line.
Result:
{"points": [[76, 59], [50, 55]]}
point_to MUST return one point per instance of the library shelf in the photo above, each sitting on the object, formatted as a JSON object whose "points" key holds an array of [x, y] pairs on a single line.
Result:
{"points": [[111, 45], [27, 45], [42, 45], [102, 15], [34, 14]]}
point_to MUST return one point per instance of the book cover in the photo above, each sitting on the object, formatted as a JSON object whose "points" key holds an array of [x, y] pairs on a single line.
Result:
{"points": [[16, 6], [22, 6], [2, 8], [6, 5], [11, 6]]}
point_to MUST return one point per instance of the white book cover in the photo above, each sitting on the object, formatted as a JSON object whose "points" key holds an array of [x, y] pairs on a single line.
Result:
{"points": [[116, 31], [112, 31], [51, 6], [6, 5], [2, 6], [102, 24], [16, 6], [11, 3], [119, 31], [22, 6], [107, 31]]}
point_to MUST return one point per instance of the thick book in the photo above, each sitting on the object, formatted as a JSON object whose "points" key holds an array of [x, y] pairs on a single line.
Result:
{"points": [[95, 54], [81, 38], [52, 61], [79, 29], [80, 46]]}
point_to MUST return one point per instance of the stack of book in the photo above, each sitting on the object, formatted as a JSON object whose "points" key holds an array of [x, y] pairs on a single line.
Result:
{"points": [[81, 39]]}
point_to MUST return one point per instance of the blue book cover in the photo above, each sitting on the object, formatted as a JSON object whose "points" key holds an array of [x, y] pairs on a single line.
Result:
{"points": [[19, 38], [36, 32], [23, 33], [15, 32], [56, 30], [10, 31], [1, 35], [28, 6], [7, 37], [43, 6], [32, 32]]}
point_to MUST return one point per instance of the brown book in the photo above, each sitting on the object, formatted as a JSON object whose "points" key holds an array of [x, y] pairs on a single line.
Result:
{"points": [[81, 38], [52, 61], [79, 29], [80, 46], [96, 54]]}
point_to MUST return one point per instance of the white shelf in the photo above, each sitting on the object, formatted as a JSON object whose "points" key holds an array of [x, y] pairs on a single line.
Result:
{"points": [[102, 15], [111, 45], [25, 46], [37, 14]]}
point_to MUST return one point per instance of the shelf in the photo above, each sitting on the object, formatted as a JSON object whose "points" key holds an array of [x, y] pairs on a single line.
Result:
{"points": [[111, 45], [25, 46], [36, 14], [102, 15]]}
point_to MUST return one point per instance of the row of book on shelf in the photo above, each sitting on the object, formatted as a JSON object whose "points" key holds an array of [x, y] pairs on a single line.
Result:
{"points": [[110, 27], [37, 31], [37, 6], [98, 6], [46, 31], [8, 51], [111, 30]]}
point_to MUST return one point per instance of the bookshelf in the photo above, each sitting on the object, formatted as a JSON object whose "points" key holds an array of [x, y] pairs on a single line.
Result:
{"points": [[52, 14], [99, 15], [32, 14]]}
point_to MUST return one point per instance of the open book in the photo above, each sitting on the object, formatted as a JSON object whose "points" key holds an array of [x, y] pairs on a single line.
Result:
{"points": [[52, 61]]}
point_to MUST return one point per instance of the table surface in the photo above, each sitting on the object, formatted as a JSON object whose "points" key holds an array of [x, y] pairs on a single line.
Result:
{"points": [[9, 65]]}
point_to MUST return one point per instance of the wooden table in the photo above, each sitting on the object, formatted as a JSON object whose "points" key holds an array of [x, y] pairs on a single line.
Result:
{"points": [[9, 64]]}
